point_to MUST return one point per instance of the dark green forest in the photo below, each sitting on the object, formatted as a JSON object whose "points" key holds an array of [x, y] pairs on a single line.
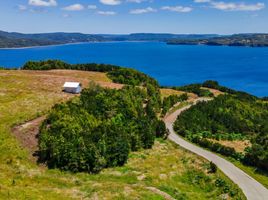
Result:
{"points": [[229, 117], [99, 129]]}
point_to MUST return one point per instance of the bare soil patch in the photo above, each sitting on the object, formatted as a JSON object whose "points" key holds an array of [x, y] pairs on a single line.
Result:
{"points": [[27, 135]]}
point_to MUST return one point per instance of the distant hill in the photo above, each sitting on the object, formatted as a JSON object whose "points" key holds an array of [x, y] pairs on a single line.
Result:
{"points": [[10, 40], [155, 36], [13, 39], [251, 40]]}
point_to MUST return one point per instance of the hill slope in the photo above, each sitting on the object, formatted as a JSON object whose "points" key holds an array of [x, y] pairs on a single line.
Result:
{"points": [[251, 40], [147, 175]]}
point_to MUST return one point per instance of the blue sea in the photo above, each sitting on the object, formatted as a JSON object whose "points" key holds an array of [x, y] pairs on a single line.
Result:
{"points": [[241, 68]]}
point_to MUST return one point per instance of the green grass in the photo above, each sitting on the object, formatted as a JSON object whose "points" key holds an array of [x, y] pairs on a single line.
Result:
{"points": [[26, 95]]}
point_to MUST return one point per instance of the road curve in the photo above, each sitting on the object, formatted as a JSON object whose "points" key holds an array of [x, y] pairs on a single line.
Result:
{"points": [[252, 189]]}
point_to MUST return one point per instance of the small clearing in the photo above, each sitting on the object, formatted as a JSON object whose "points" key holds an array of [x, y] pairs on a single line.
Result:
{"points": [[238, 145]]}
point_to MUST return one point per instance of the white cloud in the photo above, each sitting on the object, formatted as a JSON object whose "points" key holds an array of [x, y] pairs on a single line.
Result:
{"points": [[143, 10], [111, 2], [44, 3], [74, 7], [237, 6], [138, 1], [202, 1], [92, 7], [177, 8], [106, 12], [22, 7]]}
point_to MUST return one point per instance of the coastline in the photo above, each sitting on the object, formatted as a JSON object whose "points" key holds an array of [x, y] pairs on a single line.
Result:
{"points": [[40, 46], [65, 44]]}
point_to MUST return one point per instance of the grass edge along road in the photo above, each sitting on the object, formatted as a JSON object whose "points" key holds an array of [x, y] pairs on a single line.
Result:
{"points": [[251, 188]]}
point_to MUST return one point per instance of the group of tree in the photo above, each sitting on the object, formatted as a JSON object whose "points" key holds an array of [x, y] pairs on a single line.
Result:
{"points": [[170, 101], [235, 114], [99, 129], [117, 74], [58, 64]]}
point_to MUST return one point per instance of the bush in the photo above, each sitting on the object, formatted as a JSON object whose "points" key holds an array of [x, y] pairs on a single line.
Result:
{"points": [[213, 167]]}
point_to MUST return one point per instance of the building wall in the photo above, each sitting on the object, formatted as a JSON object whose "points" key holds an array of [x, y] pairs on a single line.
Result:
{"points": [[73, 90]]}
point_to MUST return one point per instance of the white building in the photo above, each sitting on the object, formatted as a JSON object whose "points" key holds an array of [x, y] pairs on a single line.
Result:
{"points": [[72, 87]]}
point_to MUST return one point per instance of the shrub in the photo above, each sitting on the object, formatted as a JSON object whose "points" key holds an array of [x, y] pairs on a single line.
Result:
{"points": [[213, 167]]}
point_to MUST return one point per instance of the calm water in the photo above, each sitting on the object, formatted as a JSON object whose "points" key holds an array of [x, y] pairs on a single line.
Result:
{"points": [[241, 68]]}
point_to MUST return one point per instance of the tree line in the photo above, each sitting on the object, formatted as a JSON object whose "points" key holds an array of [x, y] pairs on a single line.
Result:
{"points": [[170, 101], [237, 114]]}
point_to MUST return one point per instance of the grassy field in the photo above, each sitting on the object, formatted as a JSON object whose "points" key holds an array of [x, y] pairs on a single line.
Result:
{"points": [[168, 169], [165, 92]]}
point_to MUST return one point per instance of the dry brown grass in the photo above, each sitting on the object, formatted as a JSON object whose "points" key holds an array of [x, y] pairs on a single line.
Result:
{"points": [[165, 92], [238, 145], [213, 91]]}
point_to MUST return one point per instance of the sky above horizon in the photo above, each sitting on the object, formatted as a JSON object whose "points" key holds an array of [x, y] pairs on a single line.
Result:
{"points": [[134, 16]]}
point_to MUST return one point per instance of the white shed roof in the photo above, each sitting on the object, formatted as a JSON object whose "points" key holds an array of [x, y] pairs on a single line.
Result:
{"points": [[71, 84]]}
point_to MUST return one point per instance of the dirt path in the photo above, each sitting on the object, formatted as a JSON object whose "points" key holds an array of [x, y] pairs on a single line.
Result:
{"points": [[252, 189], [27, 135]]}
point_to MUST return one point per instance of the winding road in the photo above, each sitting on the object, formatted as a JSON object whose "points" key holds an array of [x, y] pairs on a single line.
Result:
{"points": [[252, 189]]}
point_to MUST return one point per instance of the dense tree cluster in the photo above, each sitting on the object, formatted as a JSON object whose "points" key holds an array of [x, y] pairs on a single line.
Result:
{"points": [[215, 85], [99, 129], [131, 77], [58, 64], [232, 114], [170, 101]]}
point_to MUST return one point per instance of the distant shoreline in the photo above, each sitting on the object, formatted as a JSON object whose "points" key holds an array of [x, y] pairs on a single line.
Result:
{"points": [[39, 46], [65, 44]]}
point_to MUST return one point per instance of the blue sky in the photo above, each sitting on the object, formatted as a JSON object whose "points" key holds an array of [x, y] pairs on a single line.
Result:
{"points": [[132, 16]]}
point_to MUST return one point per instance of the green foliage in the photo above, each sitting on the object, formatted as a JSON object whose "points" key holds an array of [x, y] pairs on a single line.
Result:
{"points": [[228, 114], [213, 167], [131, 77], [170, 101], [195, 88], [241, 95], [116, 73], [57, 64], [98, 130]]}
